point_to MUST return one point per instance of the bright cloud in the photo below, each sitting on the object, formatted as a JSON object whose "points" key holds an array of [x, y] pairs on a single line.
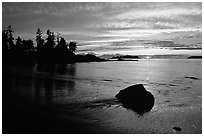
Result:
{"points": [[164, 13], [110, 27]]}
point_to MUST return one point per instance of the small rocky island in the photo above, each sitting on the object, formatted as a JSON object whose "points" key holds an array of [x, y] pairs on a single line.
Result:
{"points": [[195, 57], [124, 58]]}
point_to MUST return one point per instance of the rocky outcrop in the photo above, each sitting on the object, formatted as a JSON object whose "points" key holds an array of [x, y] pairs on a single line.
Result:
{"points": [[137, 98]]}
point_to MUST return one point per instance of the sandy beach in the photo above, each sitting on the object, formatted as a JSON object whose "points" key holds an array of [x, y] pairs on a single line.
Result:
{"points": [[76, 103], [26, 118]]}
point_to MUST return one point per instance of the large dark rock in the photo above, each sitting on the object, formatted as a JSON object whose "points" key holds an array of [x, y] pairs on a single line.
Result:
{"points": [[137, 98]]}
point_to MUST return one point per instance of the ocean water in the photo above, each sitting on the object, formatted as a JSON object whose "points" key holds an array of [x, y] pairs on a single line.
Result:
{"points": [[87, 90]]}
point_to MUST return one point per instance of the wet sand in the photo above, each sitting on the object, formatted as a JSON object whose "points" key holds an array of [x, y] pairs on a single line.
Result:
{"points": [[20, 117], [26, 118]]}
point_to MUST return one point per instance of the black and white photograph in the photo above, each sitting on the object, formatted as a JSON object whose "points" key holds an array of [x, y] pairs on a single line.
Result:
{"points": [[101, 67]]}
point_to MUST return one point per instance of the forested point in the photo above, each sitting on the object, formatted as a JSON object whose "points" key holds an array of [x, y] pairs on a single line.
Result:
{"points": [[53, 49]]}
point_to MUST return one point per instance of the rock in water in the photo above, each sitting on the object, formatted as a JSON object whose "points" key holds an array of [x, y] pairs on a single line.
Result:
{"points": [[137, 98]]}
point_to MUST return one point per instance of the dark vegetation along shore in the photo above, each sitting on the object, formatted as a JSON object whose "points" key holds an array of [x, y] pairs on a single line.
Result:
{"points": [[53, 49]]}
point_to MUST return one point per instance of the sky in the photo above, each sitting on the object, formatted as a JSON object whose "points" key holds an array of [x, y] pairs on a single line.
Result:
{"points": [[133, 28]]}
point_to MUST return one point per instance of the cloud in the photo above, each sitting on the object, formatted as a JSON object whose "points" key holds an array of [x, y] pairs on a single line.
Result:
{"points": [[109, 26], [104, 16], [50, 8], [164, 13], [147, 33], [157, 16]]}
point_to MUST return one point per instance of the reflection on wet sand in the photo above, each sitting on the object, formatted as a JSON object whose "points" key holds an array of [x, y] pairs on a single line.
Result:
{"points": [[45, 89], [60, 69]]}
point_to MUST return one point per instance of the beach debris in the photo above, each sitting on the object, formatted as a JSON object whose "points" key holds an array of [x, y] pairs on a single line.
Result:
{"points": [[108, 80], [177, 129], [137, 98]]}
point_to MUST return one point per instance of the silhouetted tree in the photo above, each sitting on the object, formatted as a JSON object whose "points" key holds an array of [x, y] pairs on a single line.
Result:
{"points": [[4, 41], [57, 47], [72, 46], [10, 37], [50, 41], [19, 47], [7, 39], [58, 38], [63, 44], [39, 41], [28, 46], [61, 49]]}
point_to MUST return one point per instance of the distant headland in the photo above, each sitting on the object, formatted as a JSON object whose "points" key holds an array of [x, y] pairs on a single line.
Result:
{"points": [[121, 57]]}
